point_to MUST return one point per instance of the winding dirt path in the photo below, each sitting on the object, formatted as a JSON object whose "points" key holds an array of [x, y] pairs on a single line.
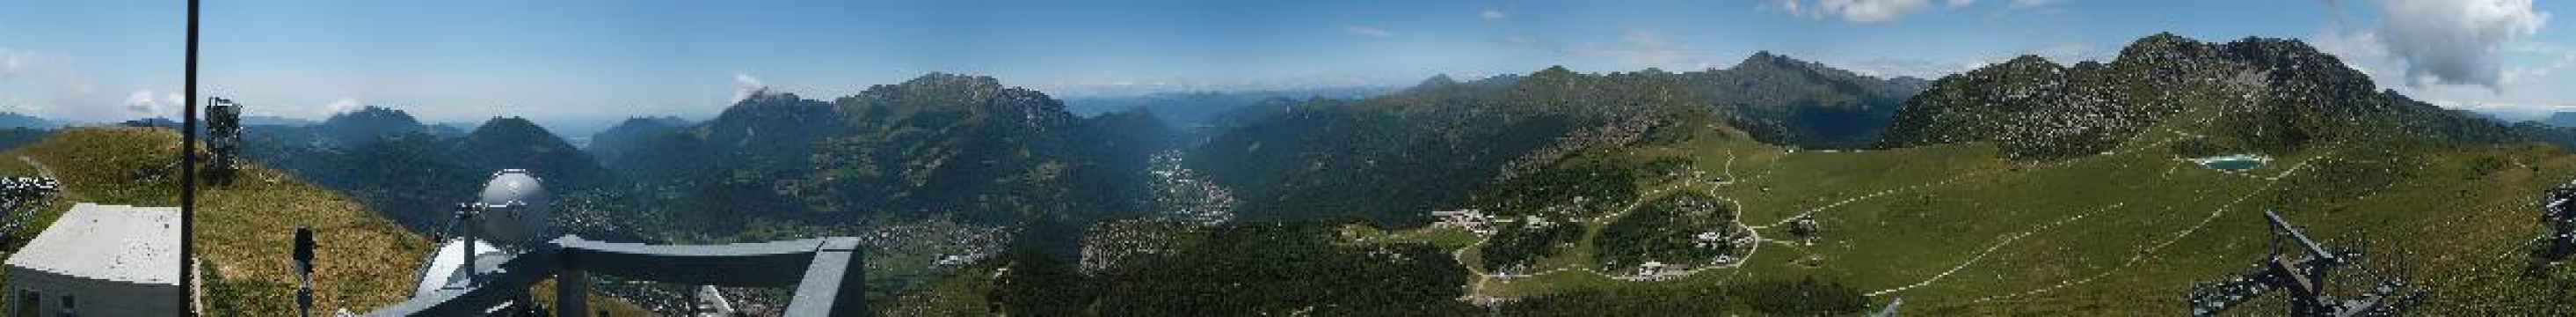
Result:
{"points": [[1981, 255], [41, 169], [2143, 255]]}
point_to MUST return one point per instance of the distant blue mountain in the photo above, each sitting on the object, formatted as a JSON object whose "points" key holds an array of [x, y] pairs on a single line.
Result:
{"points": [[1196, 108], [2560, 119], [276, 120], [16, 120]]}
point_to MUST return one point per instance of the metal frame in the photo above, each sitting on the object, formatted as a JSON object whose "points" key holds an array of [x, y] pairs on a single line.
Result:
{"points": [[223, 139], [828, 274], [2305, 279], [2558, 212]]}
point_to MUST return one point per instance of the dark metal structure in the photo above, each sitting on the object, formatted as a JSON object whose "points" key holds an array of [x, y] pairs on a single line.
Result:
{"points": [[827, 274], [2305, 280], [304, 271], [19, 198], [223, 138], [2558, 212]]}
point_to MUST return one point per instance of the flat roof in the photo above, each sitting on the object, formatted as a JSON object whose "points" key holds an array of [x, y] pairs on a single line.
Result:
{"points": [[446, 263], [108, 242]]}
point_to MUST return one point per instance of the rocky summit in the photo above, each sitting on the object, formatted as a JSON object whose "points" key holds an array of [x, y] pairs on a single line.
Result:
{"points": [[2269, 95]]}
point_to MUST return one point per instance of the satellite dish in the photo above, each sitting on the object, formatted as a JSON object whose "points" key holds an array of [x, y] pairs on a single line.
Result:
{"points": [[516, 208]]}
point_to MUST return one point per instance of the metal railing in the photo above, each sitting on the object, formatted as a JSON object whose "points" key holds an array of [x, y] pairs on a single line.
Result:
{"points": [[828, 274]]}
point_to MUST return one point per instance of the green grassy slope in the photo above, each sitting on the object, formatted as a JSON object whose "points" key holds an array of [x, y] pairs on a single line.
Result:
{"points": [[243, 229], [92, 169], [2020, 189], [1959, 229], [365, 261], [1963, 229]]}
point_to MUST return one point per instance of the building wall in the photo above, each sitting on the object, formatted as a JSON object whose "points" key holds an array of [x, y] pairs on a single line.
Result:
{"points": [[94, 297]]}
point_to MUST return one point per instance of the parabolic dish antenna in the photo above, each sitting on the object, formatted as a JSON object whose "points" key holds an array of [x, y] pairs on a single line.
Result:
{"points": [[515, 208]]}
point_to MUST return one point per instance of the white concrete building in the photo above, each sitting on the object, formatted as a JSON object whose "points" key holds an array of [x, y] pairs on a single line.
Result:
{"points": [[100, 260]]}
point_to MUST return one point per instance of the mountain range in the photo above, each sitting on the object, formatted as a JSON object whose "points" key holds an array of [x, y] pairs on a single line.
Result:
{"points": [[1602, 174], [2263, 95]]}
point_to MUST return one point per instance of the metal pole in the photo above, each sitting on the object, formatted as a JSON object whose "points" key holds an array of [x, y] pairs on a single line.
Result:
{"points": [[304, 245], [2318, 251], [465, 216], [571, 286], [188, 166]]}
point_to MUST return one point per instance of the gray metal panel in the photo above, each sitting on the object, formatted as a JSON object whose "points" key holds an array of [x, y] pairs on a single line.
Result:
{"points": [[572, 289], [829, 273], [764, 264], [835, 284], [2284, 226], [510, 283]]}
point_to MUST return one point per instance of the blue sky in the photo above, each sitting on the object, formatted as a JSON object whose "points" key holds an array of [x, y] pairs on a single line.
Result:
{"points": [[467, 60]]}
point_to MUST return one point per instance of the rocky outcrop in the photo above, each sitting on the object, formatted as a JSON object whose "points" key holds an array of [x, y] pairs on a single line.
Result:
{"points": [[2255, 94]]}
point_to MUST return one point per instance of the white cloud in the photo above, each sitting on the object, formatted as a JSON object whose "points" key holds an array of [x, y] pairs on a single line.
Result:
{"points": [[2070, 53], [1491, 15], [1646, 39], [148, 104], [140, 101], [344, 105], [1368, 31], [1126, 86], [1859, 11], [13, 62], [744, 86], [2454, 42], [2509, 110], [2065, 54], [1639, 49], [1917, 68], [2024, 4], [2352, 46], [55, 87], [1870, 11], [10, 62], [2558, 58]]}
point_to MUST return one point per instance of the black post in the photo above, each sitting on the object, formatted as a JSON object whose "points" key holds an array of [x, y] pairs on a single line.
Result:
{"points": [[304, 271], [572, 288], [188, 167], [465, 216]]}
